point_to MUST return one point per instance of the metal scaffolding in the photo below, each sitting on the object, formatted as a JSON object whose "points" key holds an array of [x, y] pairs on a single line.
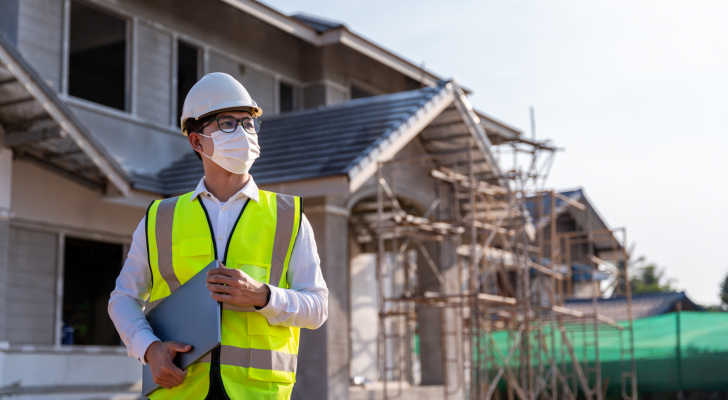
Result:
{"points": [[502, 273]]}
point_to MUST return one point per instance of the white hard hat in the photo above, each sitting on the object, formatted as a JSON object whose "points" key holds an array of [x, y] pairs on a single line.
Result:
{"points": [[217, 92]]}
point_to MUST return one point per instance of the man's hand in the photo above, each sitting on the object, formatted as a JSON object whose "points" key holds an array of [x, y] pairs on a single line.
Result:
{"points": [[159, 356], [236, 287]]}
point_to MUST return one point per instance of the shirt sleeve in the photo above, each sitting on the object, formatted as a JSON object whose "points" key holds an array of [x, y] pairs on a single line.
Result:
{"points": [[126, 305], [305, 304]]}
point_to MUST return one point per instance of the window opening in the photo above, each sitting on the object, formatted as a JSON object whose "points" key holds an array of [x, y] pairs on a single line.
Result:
{"points": [[285, 94], [187, 72], [97, 61], [89, 276]]}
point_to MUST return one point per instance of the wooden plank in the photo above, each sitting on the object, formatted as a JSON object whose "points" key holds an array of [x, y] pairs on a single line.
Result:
{"points": [[463, 180], [570, 201], [567, 311], [547, 271], [496, 299]]}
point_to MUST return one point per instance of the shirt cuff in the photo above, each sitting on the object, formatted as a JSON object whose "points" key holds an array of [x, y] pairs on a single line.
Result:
{"points": [[141, 343], [276, 303]]}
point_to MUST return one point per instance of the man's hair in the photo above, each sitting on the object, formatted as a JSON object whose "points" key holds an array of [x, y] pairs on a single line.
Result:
{"points": [[195, 125]]}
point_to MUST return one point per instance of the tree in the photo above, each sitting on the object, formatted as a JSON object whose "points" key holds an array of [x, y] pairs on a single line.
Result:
{"points": [[650, 279], [724, 290]]}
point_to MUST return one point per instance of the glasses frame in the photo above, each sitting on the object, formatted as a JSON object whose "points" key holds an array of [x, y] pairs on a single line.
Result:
{"points": [[238, 121]]}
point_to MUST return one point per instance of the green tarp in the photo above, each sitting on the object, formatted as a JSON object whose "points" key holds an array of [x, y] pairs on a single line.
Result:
{"points": [[702, 354]]}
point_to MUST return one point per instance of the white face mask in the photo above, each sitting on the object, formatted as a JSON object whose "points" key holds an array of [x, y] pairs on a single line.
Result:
{"points": [[235, 151]]}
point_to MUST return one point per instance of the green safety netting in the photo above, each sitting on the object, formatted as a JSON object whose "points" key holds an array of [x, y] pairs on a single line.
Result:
{"points": [[685, 351]]}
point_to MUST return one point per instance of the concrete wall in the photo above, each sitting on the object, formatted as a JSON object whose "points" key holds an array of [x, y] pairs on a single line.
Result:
{"points": [[364, 317], [345, 66], [68, 373], [154, 66], [39, 195], [40, 34], [31, 282]]}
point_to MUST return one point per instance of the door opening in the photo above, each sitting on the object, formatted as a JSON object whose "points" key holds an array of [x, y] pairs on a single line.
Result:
{"points": [[89, 276]]}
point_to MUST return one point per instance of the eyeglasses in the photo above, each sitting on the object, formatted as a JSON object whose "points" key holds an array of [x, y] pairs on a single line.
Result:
{"points": [[228, 124]]}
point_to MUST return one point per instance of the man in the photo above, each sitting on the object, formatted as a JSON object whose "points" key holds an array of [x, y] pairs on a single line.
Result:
{"points": [[271, 283]]}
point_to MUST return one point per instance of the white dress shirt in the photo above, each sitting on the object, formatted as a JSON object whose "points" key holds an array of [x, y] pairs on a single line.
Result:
{"points": [[304, 305]]}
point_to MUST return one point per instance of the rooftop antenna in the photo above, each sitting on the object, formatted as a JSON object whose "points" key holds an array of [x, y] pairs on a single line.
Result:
{"points": [[533, 124]]}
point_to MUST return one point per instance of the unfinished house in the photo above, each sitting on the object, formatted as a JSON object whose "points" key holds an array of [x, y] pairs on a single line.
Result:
{"points": [[426, 244], [576, 219]]}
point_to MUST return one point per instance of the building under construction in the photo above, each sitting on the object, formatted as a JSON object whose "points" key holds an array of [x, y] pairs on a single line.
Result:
{"points": [[483, 273]]}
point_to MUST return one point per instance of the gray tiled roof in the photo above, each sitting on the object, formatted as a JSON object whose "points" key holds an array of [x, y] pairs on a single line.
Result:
{"points": [[643, 305], [313, 143], [321, 25]]}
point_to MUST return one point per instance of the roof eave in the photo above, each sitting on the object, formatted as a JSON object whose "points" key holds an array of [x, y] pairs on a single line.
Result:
{"points": [[472, 121], [70, 124], [366, 166]]}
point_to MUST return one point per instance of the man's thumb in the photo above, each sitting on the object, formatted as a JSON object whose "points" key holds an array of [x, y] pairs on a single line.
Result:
{"points": [[181, 347]]}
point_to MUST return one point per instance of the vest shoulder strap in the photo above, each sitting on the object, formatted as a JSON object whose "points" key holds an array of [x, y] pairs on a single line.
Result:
{"points": [[288, 222]]}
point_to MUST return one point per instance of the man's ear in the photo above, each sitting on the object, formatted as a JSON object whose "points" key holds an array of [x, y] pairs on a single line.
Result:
{"points": [[195, 142]]}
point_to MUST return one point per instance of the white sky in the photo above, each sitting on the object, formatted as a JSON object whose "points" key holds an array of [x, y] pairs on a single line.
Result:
{"points": [[636, 92]]}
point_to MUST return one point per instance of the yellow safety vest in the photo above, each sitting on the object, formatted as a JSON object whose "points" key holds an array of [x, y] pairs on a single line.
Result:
{"points": [[256, 360]]}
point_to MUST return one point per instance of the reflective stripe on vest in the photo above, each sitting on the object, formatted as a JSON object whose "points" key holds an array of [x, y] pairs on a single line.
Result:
{"points": [[181, 243], [256, 358]]}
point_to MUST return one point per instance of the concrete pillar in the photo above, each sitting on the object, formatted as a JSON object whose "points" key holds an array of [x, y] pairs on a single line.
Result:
{"points": [[6, 171], [429, 322], [430, 319], [323, 360]]}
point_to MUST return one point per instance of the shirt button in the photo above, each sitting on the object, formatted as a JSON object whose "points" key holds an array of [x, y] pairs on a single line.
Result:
{"points": [[208, 194], [220, 238], [224, 208]]}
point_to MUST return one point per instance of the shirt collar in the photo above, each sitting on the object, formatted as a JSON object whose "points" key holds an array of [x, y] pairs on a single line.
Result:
{"points": [[250, 190]]}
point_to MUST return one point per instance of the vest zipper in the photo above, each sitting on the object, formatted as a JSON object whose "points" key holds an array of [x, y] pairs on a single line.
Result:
{"points": [[215, 376]]}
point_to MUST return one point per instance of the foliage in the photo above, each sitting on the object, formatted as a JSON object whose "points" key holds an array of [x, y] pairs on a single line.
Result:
{"points": [[724, 290], [651, 279]]}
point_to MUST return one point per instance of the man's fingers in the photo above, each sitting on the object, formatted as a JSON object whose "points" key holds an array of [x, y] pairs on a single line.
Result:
{"points": [[178, 374], [165, 378], [220, 288], [224, 271], [221, 279], [222, 297], [164, 382], [173, 373]]}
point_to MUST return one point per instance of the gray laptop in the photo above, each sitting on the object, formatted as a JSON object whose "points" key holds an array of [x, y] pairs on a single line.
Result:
{"points": [[189, 315]]}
